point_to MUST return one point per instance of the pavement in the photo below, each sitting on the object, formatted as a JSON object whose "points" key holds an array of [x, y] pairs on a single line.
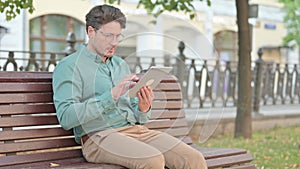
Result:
{"points": [[206, 122], [230, 112]]}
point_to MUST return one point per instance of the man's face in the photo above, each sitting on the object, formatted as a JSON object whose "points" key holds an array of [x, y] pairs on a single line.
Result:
{"points": [[104, 41]]}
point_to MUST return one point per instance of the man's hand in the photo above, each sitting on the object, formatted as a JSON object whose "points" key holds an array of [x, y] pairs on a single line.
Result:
{"points": [[146, 97], [123, 86]]}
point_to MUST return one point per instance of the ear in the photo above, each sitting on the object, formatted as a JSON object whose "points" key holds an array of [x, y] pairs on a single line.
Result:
{"points": [[90, 31]]}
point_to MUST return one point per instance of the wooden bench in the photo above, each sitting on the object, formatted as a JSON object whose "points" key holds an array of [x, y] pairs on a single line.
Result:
{"points": [[30, 136]]}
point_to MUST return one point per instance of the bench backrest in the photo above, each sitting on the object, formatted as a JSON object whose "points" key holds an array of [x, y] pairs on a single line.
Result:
{"points": [[29, 130]]}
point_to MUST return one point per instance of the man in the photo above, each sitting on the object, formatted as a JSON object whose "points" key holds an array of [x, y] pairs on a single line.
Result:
{"points": [[90, 95]]}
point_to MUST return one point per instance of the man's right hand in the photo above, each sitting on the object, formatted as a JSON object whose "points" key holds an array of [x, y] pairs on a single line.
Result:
{"points": [[123, 86]]}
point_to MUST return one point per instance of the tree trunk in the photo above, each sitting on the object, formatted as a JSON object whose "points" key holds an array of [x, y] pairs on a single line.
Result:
{"points": [[243, 121], [299, 53]]}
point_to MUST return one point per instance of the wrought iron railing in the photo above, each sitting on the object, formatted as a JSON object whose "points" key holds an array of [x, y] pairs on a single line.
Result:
{"points": [[205, 83], [28, 60]]}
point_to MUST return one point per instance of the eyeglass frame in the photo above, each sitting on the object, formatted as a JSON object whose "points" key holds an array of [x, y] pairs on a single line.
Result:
{"points": [[110, 36]]}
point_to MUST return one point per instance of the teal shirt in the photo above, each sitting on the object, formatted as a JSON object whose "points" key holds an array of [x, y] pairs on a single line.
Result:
{"points": [[82, 98]]}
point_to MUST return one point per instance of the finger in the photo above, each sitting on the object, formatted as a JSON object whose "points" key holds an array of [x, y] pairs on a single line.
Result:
{"points": [[148, 93], [130, 81], [141, 99], [143, 93], [132, 77], [135, 79], [132, 84], [128, 78]]}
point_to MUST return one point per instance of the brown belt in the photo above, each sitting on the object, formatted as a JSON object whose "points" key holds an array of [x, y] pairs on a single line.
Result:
{"points": [[87, 136]]}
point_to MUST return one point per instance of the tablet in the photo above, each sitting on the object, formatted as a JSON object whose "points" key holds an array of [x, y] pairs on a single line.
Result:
{"points": [[151, 78]]}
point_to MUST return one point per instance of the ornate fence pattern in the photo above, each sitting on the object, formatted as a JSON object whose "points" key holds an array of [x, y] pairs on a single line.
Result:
{"points": [[206, 83]]}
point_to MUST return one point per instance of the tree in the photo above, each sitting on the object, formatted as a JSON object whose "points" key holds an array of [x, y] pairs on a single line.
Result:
{"points": [[157, 7], [243, 120], [12, 8], [292, 21]]}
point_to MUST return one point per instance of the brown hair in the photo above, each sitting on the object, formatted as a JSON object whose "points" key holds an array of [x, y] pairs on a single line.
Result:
{"points": [[103, 14]]}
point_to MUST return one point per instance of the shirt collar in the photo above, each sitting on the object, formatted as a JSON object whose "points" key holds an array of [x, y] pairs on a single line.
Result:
{"points": [[93, 56]]}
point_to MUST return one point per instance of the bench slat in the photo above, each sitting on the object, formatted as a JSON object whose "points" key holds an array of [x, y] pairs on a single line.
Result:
{"points": [[78, 163], [25, 98], [47, 164], [28, 121], [39, 157], [186, 139], [167, 87], [36, 145], [167, 114], [49, 108], [176, 132], [167, 95], [169, 79], [22, 121], [34, 133], [25, 76], [25, 87], [247, 166], [157, 124], [219, 152], [70, 163], [166, 105], [229, 160], [14, 109], [222, 152], [85, 165]]}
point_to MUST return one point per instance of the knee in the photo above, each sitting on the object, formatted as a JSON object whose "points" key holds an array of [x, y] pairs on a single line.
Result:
{"points": [[196, 160], [155, 162]]}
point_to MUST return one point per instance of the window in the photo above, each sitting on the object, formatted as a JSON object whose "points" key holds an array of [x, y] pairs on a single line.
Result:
{"points": [[226, 44], [48, 33]]}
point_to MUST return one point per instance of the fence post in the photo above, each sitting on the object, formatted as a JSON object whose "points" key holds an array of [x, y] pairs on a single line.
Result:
{"points": [[180, 68], [180, 62], [12, 60], [258, 79], [167, 59], [71, 40], [32, 65]]}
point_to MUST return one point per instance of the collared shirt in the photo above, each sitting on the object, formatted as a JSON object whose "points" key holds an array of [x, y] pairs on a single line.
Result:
{"points": [[82, 83]]}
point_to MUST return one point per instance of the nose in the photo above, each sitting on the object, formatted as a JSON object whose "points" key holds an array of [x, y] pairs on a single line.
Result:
{"points": [[115, 41]]}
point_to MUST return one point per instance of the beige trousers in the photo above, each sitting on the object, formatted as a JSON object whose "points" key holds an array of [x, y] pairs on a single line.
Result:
{"points": [[137, 147]]}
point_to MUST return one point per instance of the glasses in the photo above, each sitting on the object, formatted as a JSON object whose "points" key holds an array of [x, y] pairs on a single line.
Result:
{"points": [[110, 37]]}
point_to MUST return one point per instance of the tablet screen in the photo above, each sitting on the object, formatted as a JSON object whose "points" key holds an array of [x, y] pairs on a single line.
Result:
{"points": [[151, 78]]}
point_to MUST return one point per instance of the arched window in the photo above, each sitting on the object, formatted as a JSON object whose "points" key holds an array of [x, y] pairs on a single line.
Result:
{"points": [[226, 45], [49, 32]]}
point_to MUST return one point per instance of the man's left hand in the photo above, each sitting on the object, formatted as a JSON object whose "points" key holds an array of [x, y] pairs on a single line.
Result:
{"points": [[146, 97]]}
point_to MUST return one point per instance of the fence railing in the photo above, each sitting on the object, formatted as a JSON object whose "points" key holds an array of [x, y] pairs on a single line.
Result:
{"points": [[28, 60], [205, 83]]}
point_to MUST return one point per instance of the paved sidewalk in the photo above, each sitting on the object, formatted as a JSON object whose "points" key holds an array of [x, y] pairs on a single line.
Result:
{"points": [[206, 122], [230, 112]]}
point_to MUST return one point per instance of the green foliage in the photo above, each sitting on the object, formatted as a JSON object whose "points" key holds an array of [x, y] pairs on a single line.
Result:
{"points": [[12, 8], [272, 149], [292, 20], [157, 7]]}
